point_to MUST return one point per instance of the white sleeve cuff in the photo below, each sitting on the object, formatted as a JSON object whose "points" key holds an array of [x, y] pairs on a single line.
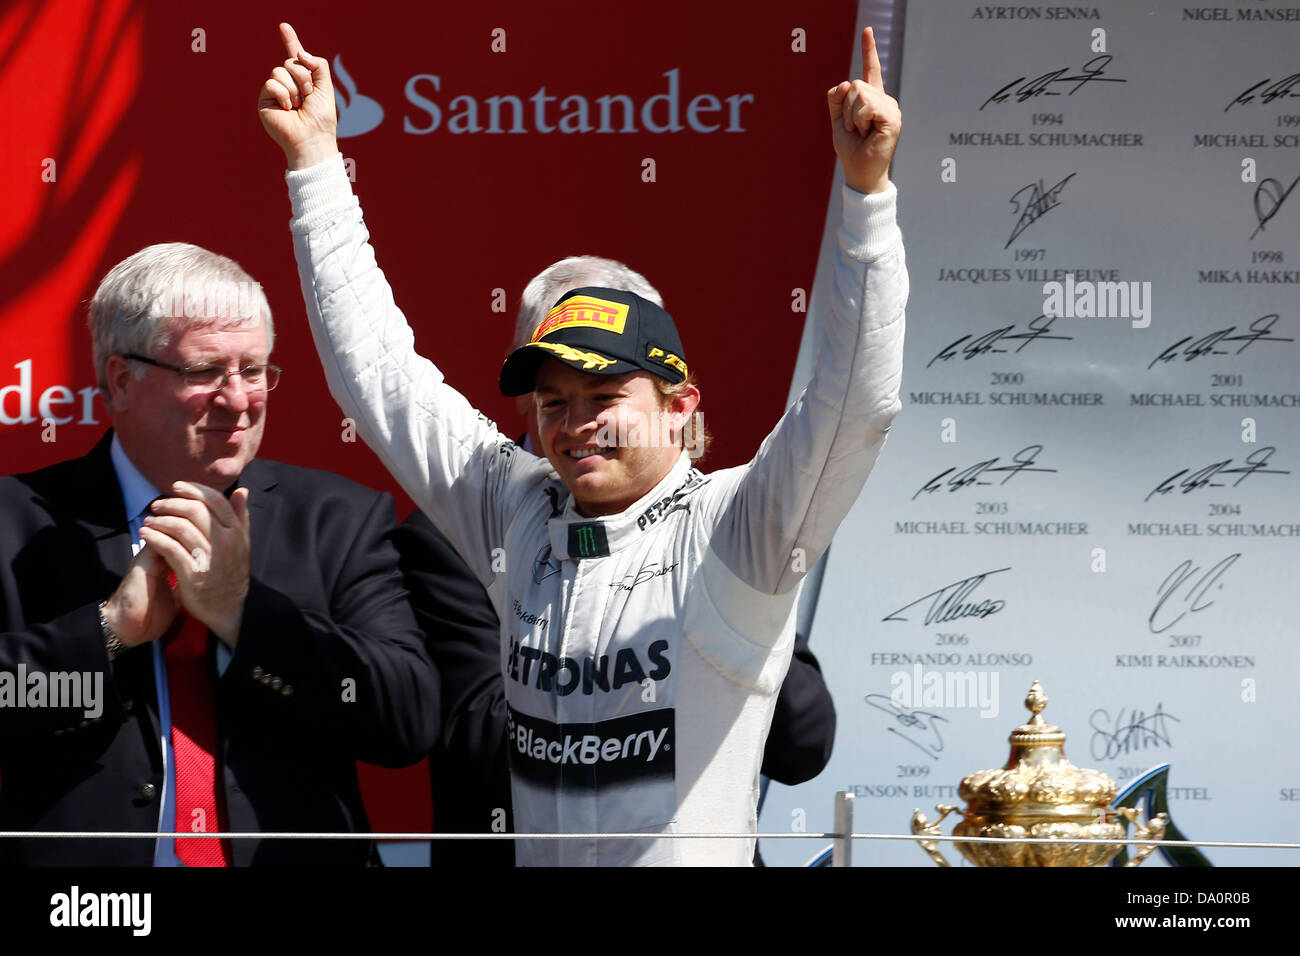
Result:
{"points": [[870, 228], [319, 193]]}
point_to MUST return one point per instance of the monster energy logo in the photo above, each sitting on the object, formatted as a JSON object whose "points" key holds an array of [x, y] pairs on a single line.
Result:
{"points": [[588, 540]]}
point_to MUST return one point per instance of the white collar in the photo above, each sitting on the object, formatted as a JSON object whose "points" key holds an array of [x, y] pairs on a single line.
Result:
{"points": [[574, 536]]}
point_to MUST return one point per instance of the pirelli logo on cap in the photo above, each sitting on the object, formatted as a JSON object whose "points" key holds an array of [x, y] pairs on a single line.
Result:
{"points": [[583, 310]]}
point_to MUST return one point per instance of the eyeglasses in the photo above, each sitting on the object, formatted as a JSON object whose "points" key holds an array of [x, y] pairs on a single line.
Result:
{"points": [[213, 378]]}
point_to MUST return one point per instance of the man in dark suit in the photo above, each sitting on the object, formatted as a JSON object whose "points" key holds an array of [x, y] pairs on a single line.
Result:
{"points": [[227, 676]]}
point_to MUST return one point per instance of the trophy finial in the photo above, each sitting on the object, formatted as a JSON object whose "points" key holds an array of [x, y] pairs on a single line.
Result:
{"points": [[1035, 702]]}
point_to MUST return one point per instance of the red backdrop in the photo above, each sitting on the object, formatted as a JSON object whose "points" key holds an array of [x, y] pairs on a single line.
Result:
{"points": [[133, 123]]}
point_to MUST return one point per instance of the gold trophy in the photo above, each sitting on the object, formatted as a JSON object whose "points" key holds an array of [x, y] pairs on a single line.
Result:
{"points": [[1039, 794]]}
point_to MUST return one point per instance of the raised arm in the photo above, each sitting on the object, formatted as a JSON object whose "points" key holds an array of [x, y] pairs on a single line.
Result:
{"points": [[780, 512], [450, 459]]}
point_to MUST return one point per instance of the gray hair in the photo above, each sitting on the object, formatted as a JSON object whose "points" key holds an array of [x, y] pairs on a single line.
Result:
{"points": [[574, 273], [166, 288]]}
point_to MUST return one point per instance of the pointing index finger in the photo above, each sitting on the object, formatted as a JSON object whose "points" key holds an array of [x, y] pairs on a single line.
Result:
{"points": [[290, 38], [315, 64], [870, 60], [291, 44]]}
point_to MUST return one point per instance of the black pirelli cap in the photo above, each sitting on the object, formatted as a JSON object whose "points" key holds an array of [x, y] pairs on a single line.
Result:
{"points": [[601, 331]]}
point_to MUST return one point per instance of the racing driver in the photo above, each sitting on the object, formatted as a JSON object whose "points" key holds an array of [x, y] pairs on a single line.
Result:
{"points": [[647, 610]]}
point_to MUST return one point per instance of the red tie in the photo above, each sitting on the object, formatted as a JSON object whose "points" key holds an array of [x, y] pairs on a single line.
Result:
{"points": [[194, 741]]}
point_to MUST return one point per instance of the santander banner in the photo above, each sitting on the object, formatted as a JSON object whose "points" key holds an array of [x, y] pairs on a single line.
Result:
{"points": [[485, 142]]}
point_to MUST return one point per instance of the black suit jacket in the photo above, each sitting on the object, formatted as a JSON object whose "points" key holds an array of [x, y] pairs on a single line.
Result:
{"points": [[469, 769], [329, 668]]}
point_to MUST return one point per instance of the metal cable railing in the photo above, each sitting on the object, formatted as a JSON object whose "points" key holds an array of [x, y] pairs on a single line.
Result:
{"points": [[842, 838]]}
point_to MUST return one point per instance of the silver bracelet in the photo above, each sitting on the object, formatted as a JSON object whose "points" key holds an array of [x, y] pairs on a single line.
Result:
{"points": [[111, 642]]}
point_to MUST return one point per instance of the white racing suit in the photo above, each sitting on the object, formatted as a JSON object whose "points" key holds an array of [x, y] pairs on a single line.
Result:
{"points": [[642, 652]]}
